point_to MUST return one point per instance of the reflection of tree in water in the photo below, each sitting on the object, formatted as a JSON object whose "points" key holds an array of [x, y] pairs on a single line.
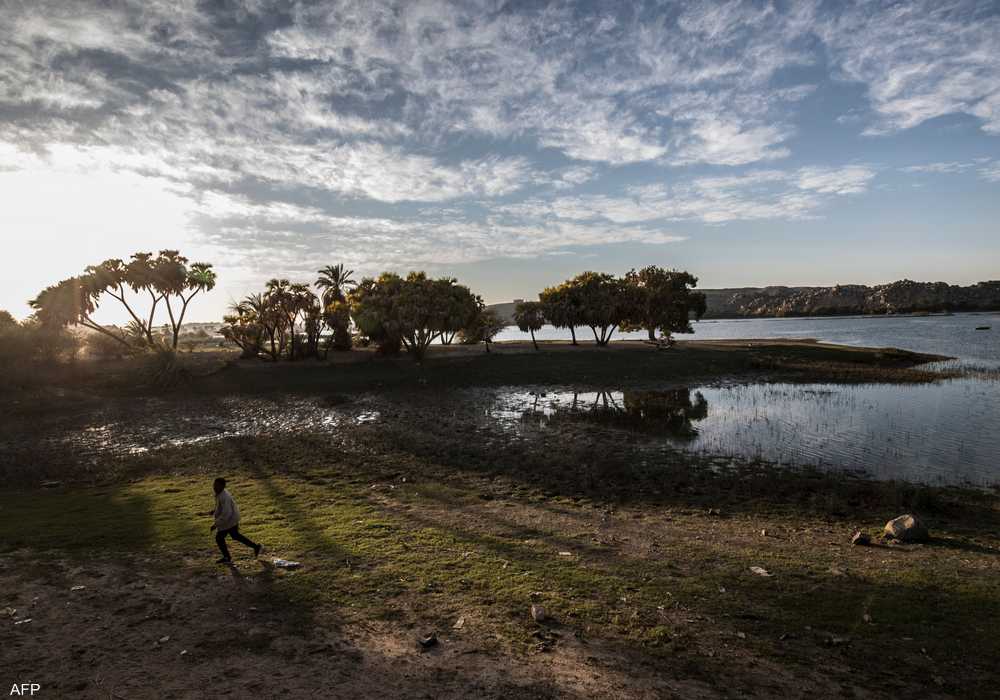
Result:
{"points": [[670, 412]]}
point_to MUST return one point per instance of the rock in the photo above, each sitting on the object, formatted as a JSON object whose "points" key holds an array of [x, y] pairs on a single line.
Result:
{"points": [[459, 624], [428, 641], [760, 571], [906, 528], [164, 640], [77, 588], [538, 613], [861, 539]]}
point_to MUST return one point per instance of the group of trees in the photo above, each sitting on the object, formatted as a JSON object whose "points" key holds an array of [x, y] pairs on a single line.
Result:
{"points": [[392, 312], [651, 299], [290, 320], [287, 320]]}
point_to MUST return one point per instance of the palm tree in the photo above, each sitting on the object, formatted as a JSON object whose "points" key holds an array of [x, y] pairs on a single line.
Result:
{"points": [[335, 280]]}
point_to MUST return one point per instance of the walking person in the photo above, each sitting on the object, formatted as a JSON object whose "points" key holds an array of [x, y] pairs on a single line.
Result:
{"points": [[227, 522]]}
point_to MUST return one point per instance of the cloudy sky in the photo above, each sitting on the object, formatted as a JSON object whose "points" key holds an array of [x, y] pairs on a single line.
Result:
{"points": [[508, 143]]}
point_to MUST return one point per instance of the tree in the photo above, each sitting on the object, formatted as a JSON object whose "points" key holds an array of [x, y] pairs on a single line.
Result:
{"points": [[460, 308], [337, 315], [371, 306], [243, 326], [562, 307], [482, 328], [603, 302], [662, 300], [529, 318], [166, 278], [6, 320], [336, 281], [411, 311], [290, 302]]}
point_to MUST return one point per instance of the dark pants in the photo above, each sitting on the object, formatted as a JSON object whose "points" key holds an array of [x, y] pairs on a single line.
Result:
{"points": [[234, 532]]}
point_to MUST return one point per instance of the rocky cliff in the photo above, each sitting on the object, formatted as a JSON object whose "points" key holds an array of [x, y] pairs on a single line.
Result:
{"points": [[905, 296]]}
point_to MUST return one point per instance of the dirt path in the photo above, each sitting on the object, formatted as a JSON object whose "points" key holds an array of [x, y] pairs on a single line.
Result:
{"points": [[162, 629]]}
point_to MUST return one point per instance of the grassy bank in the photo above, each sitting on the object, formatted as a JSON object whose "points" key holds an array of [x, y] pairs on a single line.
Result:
{"points": [[389, 536]]}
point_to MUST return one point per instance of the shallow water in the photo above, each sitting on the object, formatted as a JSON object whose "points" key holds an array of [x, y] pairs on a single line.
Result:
{"points": [[936, 433], [943, 433]]}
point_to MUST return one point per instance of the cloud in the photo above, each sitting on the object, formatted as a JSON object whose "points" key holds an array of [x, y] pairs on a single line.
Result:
{"points": [[991, 171], [291, 239], [852, 179], [919, 60], [760, 194], [986, 168]]}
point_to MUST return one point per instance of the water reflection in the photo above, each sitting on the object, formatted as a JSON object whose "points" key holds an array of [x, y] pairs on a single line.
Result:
{"points": [[942, 432], [669, 413]]}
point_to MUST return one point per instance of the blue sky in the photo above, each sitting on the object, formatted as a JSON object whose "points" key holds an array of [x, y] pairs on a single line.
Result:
{"points": [[509, 144]]}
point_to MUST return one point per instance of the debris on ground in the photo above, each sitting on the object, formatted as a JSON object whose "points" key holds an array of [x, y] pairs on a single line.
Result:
{"points": [[760, 571], [428, 641], [286, 564], [861, 539]]}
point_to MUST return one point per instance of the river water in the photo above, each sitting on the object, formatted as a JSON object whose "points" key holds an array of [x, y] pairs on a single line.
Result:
{"points": [[944, 433]]}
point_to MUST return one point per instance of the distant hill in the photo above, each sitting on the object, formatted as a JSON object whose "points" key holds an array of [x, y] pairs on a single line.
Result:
{"points": [[904, 296]]}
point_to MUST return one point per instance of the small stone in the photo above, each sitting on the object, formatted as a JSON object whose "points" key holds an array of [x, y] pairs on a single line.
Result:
{"points": [[861, 539], [538, 613], [184, 652], [741, 635], [760, 571], [907, 528], [867, 618], [763, 533], [459, 624], [77, 588], [165, 639]]}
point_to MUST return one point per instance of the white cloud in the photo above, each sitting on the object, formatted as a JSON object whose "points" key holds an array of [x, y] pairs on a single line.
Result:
{"points": [[760, 194], [919, 60], [852, 179]]}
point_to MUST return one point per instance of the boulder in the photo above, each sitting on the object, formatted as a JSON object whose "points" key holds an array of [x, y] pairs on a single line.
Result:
{"points": [[906, 528]]}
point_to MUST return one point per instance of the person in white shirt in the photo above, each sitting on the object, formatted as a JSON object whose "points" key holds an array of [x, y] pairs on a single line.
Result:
{"points": [[227, 522]]}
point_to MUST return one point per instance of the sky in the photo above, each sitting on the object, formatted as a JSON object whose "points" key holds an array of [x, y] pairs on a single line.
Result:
{"points": [[509, 144]]}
